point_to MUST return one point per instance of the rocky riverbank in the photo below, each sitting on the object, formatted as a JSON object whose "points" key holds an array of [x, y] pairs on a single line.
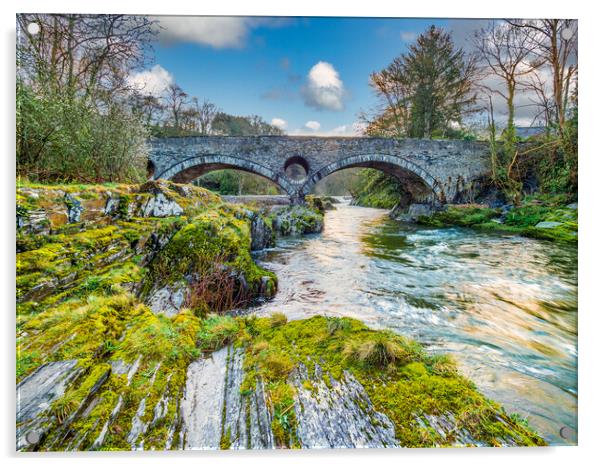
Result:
{"points": [[124, 342], [552, 218]]}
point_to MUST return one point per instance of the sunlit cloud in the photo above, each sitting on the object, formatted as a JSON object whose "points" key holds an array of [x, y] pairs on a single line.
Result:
{"points": [[151, 82], [312, 125], [324, 89], [279, 123]]}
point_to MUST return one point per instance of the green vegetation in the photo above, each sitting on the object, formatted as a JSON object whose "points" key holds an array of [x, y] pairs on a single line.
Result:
{"points": [[236, 182], [521, 220], [376, 189], [298, 220], [411, 383]]}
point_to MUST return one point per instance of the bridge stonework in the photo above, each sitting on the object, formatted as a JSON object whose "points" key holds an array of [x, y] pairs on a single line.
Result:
{"points": [[443, 171]]}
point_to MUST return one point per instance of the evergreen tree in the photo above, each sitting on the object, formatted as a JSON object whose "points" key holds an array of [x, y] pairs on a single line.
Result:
{"points": [[441, 79]]}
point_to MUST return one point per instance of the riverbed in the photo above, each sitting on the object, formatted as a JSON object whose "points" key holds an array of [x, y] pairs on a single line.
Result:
{"points": [[504, 306]]}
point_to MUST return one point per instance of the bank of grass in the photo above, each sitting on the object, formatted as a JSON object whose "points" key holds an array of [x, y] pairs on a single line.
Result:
{"points": [[402, 380], [522, 220]]}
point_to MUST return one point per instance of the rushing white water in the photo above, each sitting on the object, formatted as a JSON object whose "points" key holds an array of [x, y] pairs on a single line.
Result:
{"points": [[503, 305]]}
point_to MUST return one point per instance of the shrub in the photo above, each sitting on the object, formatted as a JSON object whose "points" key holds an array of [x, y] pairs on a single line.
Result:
{"points": [[71, 138]]}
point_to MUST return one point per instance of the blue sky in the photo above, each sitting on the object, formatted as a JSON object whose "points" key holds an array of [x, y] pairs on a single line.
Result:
{"points": [[293, 70]]}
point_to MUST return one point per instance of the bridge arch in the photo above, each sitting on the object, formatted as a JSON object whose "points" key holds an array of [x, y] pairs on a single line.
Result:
{"points": [[400, 167], [191, 168]]}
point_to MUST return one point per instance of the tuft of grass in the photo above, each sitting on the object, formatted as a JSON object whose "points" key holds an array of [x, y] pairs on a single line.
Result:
{"points": [[380, 351], [337, 324], [217, 332], [277, 319]]}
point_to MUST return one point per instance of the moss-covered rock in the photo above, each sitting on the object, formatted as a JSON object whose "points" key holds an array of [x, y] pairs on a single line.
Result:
{"points": [[297, 220], [538, 217]]}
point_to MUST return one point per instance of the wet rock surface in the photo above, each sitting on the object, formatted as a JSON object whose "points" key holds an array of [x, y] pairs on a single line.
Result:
{"points": [[340, 415], [35, 395]]}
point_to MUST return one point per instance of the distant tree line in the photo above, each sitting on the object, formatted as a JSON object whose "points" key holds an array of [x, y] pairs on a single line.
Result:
{"points": [[178, 114]]}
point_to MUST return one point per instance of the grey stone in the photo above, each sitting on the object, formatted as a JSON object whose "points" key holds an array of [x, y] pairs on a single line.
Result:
{"points": [[235, 426], [36, 393], [548, 224], [138, 425], [74, 208], [118, 367], [203, 401], [573, 206], [297, 220], [168, 300], [340, 415], [416, 210], [262, 233], [160, 205], [433, 170], [111, 206]]}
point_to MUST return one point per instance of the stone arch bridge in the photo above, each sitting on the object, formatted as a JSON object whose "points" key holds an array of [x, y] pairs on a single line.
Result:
{"points": [[441, 171]]}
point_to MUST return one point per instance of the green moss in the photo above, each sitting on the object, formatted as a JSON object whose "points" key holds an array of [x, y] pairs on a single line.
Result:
{"points": [[410, 384], [520, 220]]}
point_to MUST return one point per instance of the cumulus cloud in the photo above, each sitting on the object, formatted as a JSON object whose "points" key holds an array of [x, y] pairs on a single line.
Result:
{"points": [[279, 123], [312, 125], [151, 82], [324, 89], [212, 31]]}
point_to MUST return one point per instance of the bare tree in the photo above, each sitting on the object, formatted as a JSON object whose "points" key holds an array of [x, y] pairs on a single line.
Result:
{"points": [[176, 100], [206, 112], [554, 41], [85, 54], [149, 107], [507, 54]]}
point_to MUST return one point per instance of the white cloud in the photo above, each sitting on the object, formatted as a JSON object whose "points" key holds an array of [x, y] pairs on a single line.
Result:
{"points": [[312, 125], [324, 89], [312, 128], [408, 36], [279, 123], [151, 82], [214, 31]]}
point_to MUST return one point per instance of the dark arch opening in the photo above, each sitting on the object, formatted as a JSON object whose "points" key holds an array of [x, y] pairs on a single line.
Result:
{"points": [[296, 168]]}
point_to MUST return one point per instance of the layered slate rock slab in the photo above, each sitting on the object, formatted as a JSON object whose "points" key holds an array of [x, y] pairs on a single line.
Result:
{"points": [[35, 395], [215, 414], [338, 415], [203, 402]]}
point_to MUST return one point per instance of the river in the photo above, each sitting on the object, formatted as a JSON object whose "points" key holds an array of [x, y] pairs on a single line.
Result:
{"points": [[504, 306]]}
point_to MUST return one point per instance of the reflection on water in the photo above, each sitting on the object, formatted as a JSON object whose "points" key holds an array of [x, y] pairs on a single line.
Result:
{"points": [[505, 306]]}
